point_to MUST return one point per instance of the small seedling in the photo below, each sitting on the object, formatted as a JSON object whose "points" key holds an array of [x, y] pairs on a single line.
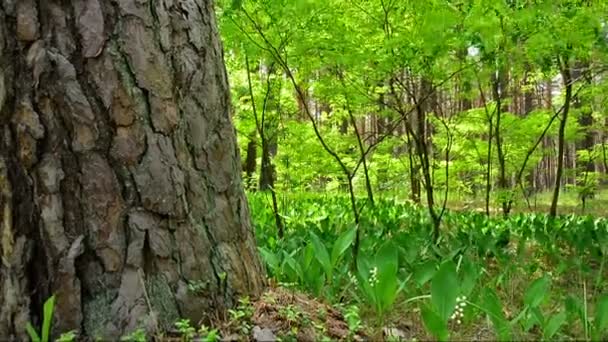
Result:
{"points": [[47, 317]]}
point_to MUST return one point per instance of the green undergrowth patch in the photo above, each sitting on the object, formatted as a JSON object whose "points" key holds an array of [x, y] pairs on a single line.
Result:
{"points": [[523, 277]]}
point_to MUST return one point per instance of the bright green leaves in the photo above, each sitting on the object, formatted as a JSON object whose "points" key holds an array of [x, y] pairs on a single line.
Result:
{"points": [[537, 291], [387, 285], [494, 309], [425, 272], [502, 295], [444, 290], [435, 324], [378, 277], [47, 318], [236, 4], [553, 324], [342, 244], [601, 318], [321, 255]]}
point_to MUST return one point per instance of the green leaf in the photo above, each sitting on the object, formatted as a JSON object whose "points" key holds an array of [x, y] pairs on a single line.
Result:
{"points": [[493, 308], [387, 259], [321, 254], [470, 274], [536, 292], [532, 317], [444, 290], [341, 245], [553, 325], [48, 308], [236, 4], [435, 324], [270, 259], [32, 332], [388, 284], [363, 267], [425, 272], [575, 309], [308, 256], [601, 315]]}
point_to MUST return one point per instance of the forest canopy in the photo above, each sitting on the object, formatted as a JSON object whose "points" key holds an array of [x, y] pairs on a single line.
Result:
{"points": [[498, 101]]}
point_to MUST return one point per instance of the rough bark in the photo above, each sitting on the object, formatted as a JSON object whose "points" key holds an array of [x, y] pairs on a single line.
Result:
{"points": [[119, 171]]}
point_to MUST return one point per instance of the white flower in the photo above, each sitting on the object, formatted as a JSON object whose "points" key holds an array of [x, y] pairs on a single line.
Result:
{"points": [[352, 278], [373, 276], [459, 309]]}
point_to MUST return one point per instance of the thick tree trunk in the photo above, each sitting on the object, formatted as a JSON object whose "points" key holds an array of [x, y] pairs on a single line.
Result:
{"points": [[119, 175]]}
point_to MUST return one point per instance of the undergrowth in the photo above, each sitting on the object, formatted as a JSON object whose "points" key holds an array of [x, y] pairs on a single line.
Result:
{"points": [[524, 277], [488, 278]]}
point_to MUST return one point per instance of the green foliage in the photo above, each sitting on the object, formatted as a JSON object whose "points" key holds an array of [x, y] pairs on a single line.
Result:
{"points": [[600, 322], [332, 78], [434, 323], [240, 317], [398, 266], [351, 314], [444, 290], [69, 336], [186, 330], [47, 318], [138, 335], [377, 278], [494, 309]]}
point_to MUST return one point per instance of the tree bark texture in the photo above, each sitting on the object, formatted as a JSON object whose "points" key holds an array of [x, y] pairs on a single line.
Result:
{"points": [[120, 190]]}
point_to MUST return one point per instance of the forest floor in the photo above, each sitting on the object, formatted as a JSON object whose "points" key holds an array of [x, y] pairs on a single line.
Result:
{"points": [[569, 203], [544, 279]]}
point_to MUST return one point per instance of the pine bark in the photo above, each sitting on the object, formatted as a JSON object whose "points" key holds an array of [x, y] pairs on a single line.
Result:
{"points": [[120, 189]]}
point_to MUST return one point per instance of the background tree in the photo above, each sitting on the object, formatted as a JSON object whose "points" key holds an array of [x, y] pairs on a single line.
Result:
{"points": [[401, 69]]}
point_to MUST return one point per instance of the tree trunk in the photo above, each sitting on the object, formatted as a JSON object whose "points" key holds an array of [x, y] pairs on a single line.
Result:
{"points": [[250, 161], [266, 169], [120, 189], [567, 79], [499, 86]]}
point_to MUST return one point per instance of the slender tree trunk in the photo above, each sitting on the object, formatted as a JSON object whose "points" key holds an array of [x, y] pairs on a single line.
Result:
{"points": [[250, 161], [489, 165], [120, 189], [567, 79], [422, 150], [586, 125], [362, 152], [498, 88], [490, 121], [414, 168], [267, 168], [548, 171]]}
